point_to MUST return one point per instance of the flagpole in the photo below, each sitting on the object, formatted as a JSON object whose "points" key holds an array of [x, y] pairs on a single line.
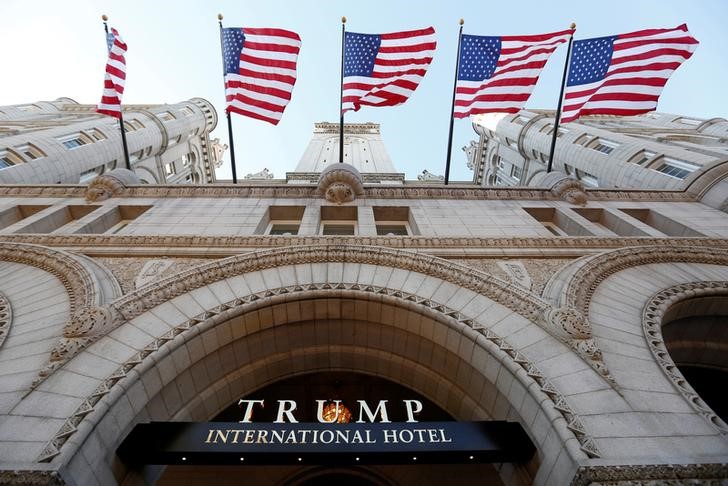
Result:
{"points": [[341, 98], [227, 111], [452, 106], [105, 18], [557, 116]]}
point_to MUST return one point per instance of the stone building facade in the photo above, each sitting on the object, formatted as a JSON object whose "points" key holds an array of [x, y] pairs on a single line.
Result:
{"points": [[63, 142], [650, 151], [576, 312]]}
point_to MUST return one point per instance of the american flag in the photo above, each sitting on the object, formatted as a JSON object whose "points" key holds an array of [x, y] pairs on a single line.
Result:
{"points": [[384, 69], [623, 74], [115, 76], [497, 74], [260, 71]]}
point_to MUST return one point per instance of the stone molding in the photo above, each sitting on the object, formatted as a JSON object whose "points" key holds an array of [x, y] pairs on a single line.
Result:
{"points": [[78, 281], [26, 477], [589, 276], [652, 317], [268, 297], [712, 474], [404, 242], [411, 190], [6, 318]]}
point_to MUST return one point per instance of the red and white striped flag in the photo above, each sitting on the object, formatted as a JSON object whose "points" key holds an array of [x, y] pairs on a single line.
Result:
{"points": [[260, 71], [498, 74], [623, 74], [384, 70], [115, 76]]}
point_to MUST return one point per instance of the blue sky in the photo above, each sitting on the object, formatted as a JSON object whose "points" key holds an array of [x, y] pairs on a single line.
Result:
{"points": [[51, 49]]}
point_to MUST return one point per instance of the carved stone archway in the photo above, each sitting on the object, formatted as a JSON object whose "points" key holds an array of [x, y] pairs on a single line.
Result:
{"points": [[202, 302]]}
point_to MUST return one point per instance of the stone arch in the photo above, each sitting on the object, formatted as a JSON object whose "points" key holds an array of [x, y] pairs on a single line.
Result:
{"points": [[622, 295], [462, 301], [655, 312]]}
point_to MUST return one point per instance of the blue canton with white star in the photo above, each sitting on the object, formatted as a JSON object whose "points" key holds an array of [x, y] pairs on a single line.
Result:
{"points": [[232, 43], [360, 50], [590, 60], [478, 57], [109, 40]]}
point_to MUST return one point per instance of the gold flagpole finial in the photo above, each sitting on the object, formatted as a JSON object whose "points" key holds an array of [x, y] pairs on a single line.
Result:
{"points": [[104, 17], [343, 20], [462, 21], [573, 25], [219, 17]]}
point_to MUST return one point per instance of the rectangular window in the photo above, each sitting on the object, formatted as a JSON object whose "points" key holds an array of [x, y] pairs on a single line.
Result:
{"points": [[609, 221], [97, 135], [558, 222], [169, 169], [74, 141], [166, 116], [113, 220], [338, 229], [585, 139], [187, 111], [661, 223], [18, 213], [281, 220], [603, 146], [338, 220], [392, 230], [86, 176], [284, 229], [185, 160], [642, 157], [675, 168], [57, 219], [9, 159], [516, 172], [394, 220], [689, 121], [31, 151], [520, 120]]}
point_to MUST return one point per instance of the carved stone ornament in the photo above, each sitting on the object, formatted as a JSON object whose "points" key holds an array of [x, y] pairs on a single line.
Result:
{"points": [[85, 326], [136, 303], [30, 478], [6, 318], [263, 175], [571, 327], [109, 185], [708, 474], [340, 183], [428, 176], [570, 190], [654, 313]]}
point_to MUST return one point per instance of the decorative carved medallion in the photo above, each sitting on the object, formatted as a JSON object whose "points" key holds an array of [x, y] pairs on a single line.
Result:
{"points": [[111, 184], [340, 183]]}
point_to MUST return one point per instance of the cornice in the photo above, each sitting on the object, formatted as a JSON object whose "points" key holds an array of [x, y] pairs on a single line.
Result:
{"points": [[411, 190], [453, 247], [651, 475]]}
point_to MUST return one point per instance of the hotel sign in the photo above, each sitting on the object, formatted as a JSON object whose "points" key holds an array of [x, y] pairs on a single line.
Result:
{"points": [[340, 437], [317, 443]]}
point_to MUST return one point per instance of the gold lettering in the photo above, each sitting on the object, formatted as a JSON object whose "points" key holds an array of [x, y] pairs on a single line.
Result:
{"points": [[262, 437]]}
